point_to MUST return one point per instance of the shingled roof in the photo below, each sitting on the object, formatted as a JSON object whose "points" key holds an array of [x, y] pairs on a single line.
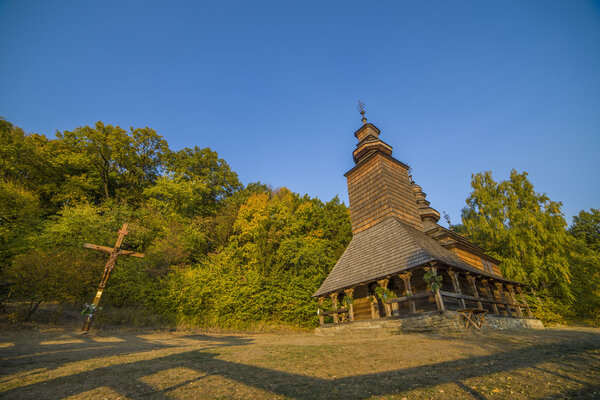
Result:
{"points": [[385, 249]]}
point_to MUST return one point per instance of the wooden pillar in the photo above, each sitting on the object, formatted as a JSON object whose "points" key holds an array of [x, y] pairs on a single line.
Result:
{"points": [[405, 276], [503, 297], [513, 299], [471, 280], [321, 318], [349, 293], [334, 305], [486, 285], [374, 312], [439, 300], [383, 283], [524, 300], [454, 276]]}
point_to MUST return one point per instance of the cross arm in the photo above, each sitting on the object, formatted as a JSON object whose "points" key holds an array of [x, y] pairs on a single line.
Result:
{"points": [[97, 247], [110, 250], [132, 254]]}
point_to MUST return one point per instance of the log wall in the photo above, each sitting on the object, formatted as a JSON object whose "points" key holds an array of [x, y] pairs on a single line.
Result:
{"points": [[475, 261]]}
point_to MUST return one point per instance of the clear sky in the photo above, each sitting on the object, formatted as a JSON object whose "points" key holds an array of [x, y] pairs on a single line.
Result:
{"points": [[456, 87]]}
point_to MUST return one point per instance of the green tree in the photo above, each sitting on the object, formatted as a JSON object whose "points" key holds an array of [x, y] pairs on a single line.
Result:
{"points": [[586, 226], [30, 161], [51, 275], [20, 215], [523, 229], [196, 184], [585, 267], [280, 249], [112, 162]]}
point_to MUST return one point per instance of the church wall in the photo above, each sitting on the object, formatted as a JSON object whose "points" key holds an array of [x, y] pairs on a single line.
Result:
{"points": [[366, 192], [475, 260], [401, 195], [378, 189]]}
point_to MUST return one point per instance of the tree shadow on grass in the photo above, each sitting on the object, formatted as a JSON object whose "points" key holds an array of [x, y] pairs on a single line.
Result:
{"points": [[132, 376], [70, 347]]}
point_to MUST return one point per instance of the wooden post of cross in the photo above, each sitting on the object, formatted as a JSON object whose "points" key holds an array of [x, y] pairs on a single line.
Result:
{"points": [[112, 259]]}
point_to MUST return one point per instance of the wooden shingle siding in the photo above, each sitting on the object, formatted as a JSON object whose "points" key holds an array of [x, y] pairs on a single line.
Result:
{"points": [[379, 189]]}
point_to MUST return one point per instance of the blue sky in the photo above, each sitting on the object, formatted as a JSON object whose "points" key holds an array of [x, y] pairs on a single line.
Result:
{"points": [[456, 87]]}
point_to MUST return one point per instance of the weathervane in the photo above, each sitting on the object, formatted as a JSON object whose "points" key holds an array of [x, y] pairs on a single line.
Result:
{"points": [[361, 109]]}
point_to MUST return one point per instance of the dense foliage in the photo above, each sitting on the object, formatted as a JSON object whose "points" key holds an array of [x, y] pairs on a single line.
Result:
{"points": [[218, 253], [528, 233]]}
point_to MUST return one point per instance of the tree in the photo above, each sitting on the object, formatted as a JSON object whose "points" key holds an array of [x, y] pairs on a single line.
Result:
{"points": [[586, 226], [196, 184], [115, 163], [19, 215], [49, 275], [585, 267], [29, 161], [523, 229], [280, 249], [204, 165]]}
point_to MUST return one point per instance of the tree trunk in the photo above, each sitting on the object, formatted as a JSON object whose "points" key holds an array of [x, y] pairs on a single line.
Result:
{"points": [[33, 306]]}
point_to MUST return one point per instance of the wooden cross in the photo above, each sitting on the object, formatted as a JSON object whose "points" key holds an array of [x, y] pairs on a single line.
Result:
{"points": [[112, 259]]}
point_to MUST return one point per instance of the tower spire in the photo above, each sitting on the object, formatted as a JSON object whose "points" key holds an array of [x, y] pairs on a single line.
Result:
{"points": [[361, 109]]}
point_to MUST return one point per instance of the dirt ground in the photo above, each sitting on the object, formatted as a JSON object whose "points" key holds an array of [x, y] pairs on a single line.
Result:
{"points": [[62, 363]]}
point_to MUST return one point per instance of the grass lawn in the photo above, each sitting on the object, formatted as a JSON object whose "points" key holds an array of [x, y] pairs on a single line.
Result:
{"points": [[61, 363]]}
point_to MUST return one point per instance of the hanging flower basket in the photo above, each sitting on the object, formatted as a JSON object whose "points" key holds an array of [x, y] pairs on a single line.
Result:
{"points": [[384, 294], [348, 300], [433, 280]]}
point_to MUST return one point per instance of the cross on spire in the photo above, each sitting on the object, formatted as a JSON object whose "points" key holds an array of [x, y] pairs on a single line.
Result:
{"points": [[361, 109]]}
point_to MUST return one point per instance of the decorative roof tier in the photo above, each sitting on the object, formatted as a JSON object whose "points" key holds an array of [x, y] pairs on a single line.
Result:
{"points": [[429, 215]]}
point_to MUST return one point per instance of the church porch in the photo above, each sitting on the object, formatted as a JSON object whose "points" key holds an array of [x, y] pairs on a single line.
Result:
{"points": [[410, 293]]}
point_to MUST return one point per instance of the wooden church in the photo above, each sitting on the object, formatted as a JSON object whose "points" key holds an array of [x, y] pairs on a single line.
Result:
{"points": [[401, 264]]}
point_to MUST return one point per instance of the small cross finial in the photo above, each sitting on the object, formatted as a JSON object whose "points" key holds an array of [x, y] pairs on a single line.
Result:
{"points": [[361, 109]]}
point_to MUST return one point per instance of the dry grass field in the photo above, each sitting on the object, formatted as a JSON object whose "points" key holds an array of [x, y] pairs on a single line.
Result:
{"points": [[61, 363]]}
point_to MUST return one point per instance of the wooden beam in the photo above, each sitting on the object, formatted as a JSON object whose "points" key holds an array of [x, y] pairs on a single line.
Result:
{"points": [[110, 250], [384, 283], [338, 311], [98, 247], [131, 253], [439, 301], [374, 309], [513, 299], [524, 300], [503, 297], [405, 276], [414, 296], [334, 304], [320, 311], [349, 293], [122, 232], [482, 299], [486, 285], [471, 280], [454, 276]]}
